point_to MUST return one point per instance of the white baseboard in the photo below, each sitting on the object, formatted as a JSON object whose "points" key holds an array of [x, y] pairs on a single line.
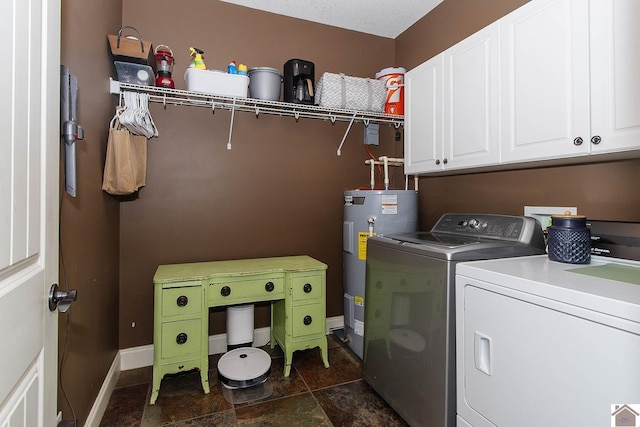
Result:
{"points": [[102, 400], [142, 356]]}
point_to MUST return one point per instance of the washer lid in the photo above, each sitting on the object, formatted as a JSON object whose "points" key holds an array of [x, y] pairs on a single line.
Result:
{"points": [[244, 364]]}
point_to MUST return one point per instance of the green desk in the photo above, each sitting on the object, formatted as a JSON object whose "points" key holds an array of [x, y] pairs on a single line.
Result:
{"points": [[183, 293]]}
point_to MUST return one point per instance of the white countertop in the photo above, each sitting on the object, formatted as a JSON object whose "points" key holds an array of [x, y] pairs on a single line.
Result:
{"points": [[537, 275]]}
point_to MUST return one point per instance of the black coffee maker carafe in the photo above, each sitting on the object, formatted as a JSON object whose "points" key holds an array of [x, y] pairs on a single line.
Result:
{"points": [[298, 81]]}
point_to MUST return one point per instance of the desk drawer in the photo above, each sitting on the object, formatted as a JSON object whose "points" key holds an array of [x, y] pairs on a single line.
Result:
{"points": [[307, 287], [181, 338], [307, 320], [250, 289], [179, 301]]}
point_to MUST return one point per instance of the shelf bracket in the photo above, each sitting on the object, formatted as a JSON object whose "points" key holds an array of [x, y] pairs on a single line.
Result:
{"points": [[233, 112], [344, 138]]}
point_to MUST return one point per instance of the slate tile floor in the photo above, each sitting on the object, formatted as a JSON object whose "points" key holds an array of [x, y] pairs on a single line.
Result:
{"points": [[311, 396]]}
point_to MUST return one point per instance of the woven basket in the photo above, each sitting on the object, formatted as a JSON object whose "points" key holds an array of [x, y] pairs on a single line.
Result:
{"points": [[570, 245]]}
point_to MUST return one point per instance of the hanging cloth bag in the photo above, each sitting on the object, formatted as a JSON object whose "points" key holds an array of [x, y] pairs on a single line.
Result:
{"points": [[125, 168]]}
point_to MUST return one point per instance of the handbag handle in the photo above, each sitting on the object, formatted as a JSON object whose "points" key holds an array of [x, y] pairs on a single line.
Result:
{"points": [[138, 38]]}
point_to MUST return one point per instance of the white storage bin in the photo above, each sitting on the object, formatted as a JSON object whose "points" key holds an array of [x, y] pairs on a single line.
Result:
{"points": [[216, 82], [351, 93]]}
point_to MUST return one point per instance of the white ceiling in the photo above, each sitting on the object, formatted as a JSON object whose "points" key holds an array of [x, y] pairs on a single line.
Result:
{"points": [[385, 18]]}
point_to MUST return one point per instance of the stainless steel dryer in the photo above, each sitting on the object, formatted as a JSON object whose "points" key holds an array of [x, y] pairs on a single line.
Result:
{"points": [[409, 330]]}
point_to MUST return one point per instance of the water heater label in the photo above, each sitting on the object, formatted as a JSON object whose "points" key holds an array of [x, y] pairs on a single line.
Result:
{"points": [[358, 300], [358, 328], [362, 244], [389, 204]]}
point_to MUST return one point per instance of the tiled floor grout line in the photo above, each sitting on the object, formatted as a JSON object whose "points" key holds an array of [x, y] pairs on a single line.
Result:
{"points": [[303, 387]]}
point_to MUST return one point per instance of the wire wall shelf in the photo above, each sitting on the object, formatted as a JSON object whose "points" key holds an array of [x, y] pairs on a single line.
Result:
{"points": [[179, 97]]}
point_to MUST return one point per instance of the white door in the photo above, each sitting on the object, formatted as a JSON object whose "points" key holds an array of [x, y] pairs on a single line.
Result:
{"points": [[471, 100], [545, 81], [29, 152], [615, 67], [423, 117]]}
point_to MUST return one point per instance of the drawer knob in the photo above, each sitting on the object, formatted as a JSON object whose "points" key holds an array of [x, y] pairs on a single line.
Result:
{"points": [[307, 288], [182, 300], [181, 338], [596, 140], [307, 320], [225, 291], [577, 141], [269, 286]]}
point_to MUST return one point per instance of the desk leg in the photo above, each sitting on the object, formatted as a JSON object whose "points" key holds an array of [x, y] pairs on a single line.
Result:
{"points": [[324, 352], [155, 388], [204, 378], [272, 338], [288, 359]]}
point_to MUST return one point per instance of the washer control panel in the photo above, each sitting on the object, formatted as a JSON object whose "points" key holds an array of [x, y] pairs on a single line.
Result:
{"points": [[506, 227]]}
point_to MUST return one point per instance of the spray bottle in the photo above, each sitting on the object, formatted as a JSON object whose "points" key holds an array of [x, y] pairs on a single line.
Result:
{"points": [[196, 58]]}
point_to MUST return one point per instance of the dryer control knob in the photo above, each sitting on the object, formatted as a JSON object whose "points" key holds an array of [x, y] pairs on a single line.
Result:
{"points": [[474, 223]]}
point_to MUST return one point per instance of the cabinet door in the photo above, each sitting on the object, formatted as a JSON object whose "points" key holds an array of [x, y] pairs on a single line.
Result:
{"points": [[423, 117], [545, 81], [523, 364], [615, 75], [471, 101]]}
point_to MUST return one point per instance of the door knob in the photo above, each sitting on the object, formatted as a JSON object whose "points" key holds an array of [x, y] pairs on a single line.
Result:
{"points": [[61, 299]]}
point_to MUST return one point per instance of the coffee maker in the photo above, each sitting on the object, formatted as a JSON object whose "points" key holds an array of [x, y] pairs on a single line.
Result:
{"points": [[298, 81]]}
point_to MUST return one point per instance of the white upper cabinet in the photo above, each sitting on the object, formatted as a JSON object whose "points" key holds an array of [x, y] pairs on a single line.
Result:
{"points": [[554, 81], [545, 80], [615, 75], [451, 114], [423, 117]]}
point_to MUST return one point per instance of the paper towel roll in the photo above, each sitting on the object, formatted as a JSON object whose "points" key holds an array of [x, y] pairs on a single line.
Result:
{"points": [[240, 324]]}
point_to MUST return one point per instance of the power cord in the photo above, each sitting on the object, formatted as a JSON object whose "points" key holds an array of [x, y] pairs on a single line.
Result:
{"points": [[74, 421]]}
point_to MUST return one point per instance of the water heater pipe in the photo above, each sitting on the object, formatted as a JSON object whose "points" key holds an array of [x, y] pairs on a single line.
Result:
{"points": [[386, 161], [371, 221], [373, 173]]}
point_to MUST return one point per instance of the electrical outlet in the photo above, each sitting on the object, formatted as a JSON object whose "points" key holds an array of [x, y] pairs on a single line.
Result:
{"points": [[543, 213]]}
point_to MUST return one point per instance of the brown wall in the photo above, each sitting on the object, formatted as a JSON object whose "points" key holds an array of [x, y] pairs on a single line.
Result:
{"points": [[89, 223], [278, 191], [605, 191]]}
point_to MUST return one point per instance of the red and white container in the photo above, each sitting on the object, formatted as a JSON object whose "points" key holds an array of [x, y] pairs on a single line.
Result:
{"points": [[394, 81]]}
